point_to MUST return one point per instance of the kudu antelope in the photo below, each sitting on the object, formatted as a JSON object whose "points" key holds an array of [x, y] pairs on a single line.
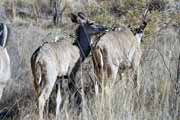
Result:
{"points": [[4, 58], [118, 48], [57, 59]]}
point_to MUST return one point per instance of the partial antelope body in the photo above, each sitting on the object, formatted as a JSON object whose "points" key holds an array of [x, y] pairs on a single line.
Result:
{"points": [[5, 72], [117, 49], [57, 59]]}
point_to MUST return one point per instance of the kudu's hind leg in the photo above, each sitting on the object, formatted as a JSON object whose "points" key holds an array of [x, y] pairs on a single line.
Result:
{"points": [[2, 86], [96, 88], [58, 100], [50, 79], [98, 67]]}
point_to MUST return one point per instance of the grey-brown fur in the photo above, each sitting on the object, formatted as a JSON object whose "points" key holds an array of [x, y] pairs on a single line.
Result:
{"points": [[49, 62], [5, 68], [115, 49], [119, 48], [61, 56], [57, 59]]}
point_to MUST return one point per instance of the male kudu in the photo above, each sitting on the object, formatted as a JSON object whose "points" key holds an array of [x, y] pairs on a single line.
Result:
{"points": [[115, 49]]}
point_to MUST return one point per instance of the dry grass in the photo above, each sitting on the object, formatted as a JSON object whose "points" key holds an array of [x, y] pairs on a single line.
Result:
{"points": [[155, 98]]}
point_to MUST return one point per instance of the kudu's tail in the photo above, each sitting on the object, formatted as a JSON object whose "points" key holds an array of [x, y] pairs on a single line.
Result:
{"points": [[36, 71], [3, 34], [97, 57]]}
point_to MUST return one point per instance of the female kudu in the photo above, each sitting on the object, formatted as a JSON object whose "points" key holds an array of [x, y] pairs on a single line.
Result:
{"points": [[5, 72], [58, 59]]}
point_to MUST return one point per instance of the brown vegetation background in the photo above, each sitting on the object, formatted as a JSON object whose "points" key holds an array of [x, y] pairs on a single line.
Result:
{"points": [[157, 98]]}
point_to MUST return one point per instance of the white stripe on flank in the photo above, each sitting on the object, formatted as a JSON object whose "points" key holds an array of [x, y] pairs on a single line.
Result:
{"points": [[101, 58]]}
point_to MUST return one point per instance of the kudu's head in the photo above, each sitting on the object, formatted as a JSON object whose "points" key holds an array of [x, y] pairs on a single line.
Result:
{"points": [[85, 31], [139, 32]]}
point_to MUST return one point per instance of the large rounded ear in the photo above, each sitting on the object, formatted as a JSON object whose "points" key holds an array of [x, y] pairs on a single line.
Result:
{"points": [[74, 18]]}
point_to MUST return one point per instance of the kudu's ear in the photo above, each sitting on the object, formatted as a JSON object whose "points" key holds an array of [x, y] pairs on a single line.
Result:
{"points": [[74, 18]]}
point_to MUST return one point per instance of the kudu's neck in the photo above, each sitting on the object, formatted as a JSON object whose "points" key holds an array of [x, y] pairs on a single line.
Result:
{"points": [[139, 32], [83, 41]]}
